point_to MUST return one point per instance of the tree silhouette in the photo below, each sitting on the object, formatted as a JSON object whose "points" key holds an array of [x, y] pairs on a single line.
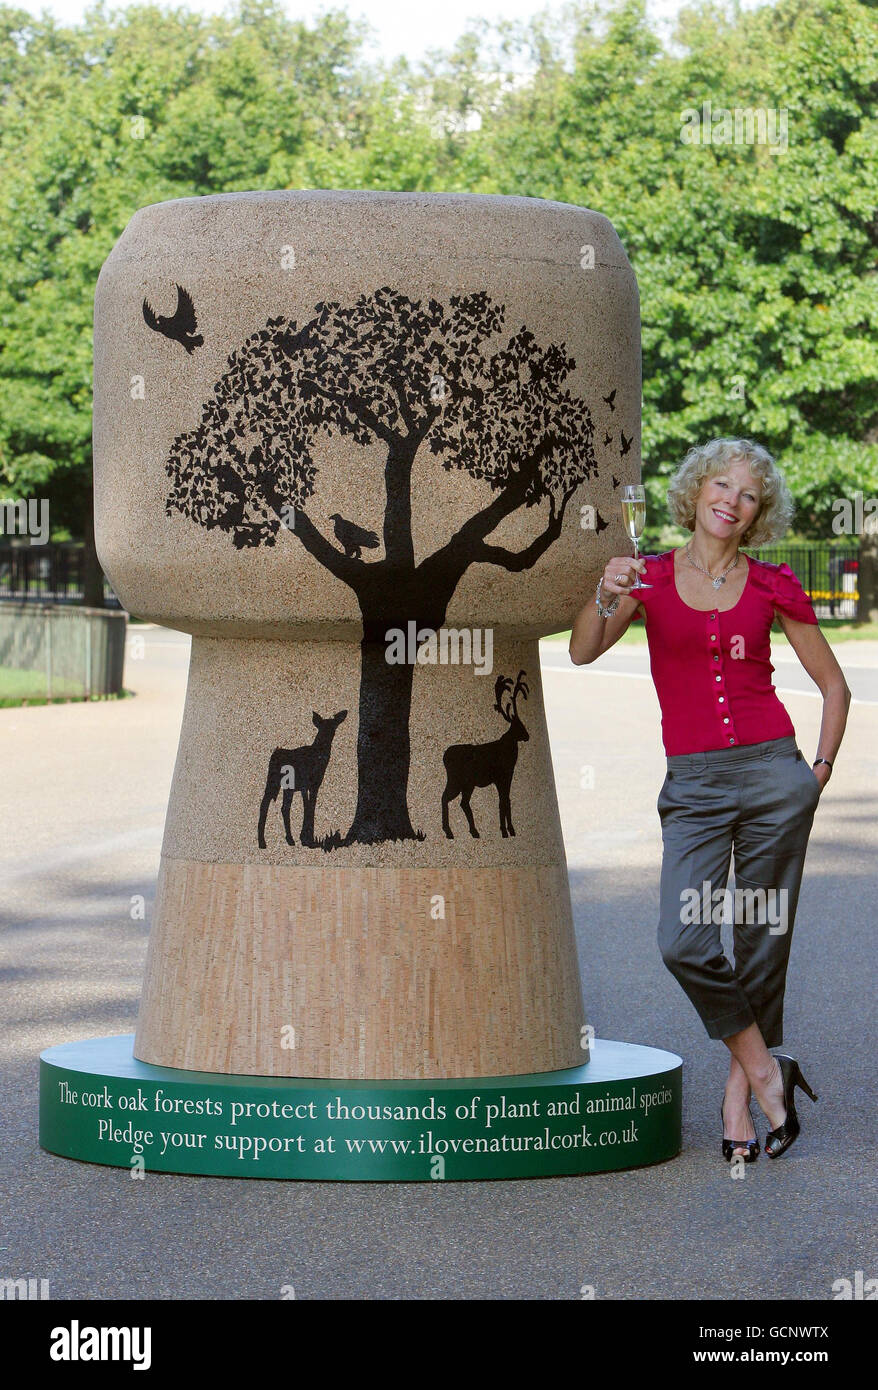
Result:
{"points": [[410, 374]]}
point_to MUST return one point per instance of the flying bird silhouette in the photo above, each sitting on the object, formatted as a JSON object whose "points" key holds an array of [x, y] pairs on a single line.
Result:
{"points": [[616, 482], [626, 444], [608, 438], [611, 398], [600, 524], [353, 538], [181, 325]]}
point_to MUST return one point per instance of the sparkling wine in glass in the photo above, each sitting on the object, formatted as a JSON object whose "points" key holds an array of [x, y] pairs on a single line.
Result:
{"points": [[634, 518]]}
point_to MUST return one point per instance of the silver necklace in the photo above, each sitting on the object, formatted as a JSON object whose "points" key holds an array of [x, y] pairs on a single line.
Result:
{"points": [[720, 578]]}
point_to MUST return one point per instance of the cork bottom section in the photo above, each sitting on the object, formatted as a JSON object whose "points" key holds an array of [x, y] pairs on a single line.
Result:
{"points": [[374, 972]]}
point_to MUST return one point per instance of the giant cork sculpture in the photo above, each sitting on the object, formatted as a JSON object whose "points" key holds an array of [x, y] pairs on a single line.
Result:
{"points": [[366, 448]]}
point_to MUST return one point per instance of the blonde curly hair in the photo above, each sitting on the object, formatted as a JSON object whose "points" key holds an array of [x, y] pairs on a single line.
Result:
{"points": [[776, 509]]}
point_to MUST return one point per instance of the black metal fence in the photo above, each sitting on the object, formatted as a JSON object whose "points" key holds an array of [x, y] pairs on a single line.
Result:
{"points": [[46, 573], [53, 573], [827, 573]]}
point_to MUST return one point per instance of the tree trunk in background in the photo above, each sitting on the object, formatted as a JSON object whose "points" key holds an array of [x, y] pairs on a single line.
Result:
{"points": [[92, 574], [867, 578]]}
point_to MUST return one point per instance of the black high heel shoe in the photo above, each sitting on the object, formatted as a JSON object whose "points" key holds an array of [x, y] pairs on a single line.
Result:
{"points": [[777, 1141], [729, 1145]]}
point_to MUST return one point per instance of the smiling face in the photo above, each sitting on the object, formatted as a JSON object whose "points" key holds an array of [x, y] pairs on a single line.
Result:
{"points": [[728, 502]]}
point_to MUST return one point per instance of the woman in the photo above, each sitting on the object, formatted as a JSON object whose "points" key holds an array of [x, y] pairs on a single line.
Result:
{"points": [[735, 776]]}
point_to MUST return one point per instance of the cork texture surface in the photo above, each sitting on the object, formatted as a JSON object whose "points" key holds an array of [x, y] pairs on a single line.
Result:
{"points": [[367, 448], [355, 294], [248, 698], [361, 972]]}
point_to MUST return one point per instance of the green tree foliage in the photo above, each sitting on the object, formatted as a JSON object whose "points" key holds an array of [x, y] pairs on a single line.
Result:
{"points": [[756, 263]]}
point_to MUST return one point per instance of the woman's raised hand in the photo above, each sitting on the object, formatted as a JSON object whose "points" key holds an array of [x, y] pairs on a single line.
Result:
{"points": [[626, 567]]}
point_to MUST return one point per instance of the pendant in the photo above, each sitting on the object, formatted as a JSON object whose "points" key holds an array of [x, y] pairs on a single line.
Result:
{"points": [[720, 579]]}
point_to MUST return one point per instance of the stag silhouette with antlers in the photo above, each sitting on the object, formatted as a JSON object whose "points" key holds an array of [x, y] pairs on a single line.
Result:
{"points": [[471, 765]]}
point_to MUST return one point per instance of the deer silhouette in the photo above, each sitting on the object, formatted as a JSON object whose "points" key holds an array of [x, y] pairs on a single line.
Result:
{"points": [[471, 765], [299, 770]]}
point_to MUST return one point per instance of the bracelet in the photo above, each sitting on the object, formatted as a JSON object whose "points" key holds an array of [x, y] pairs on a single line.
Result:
{"points": [[822, 760], [609, 610]]}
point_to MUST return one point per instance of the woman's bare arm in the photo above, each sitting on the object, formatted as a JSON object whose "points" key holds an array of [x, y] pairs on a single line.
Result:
{"points": [[819, 660], [592, 635]]}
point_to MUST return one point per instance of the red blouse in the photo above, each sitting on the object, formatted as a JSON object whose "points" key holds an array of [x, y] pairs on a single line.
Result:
{"points": [[712, 670]]}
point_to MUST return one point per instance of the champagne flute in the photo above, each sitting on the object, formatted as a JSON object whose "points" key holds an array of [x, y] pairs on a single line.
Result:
{"points": [[634, 518]]}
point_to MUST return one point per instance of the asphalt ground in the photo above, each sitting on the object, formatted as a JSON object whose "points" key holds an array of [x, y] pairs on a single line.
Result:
{"points": [[83, 800]]}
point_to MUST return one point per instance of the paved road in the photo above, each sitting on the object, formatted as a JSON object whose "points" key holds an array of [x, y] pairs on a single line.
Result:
{"points": [[83, 801]]}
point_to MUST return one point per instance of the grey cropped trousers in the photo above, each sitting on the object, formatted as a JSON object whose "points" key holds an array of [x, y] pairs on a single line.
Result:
{"points": [[759, 800]]}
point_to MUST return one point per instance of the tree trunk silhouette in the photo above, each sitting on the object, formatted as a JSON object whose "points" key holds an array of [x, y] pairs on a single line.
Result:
{"points": [[383, 748]]}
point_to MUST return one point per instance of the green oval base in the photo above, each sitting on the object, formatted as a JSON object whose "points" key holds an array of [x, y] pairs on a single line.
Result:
{"points": [[100, 1104]]}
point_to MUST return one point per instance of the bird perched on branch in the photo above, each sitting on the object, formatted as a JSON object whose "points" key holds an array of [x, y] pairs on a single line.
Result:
{"points": [[181, 325], [353, 538]]}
